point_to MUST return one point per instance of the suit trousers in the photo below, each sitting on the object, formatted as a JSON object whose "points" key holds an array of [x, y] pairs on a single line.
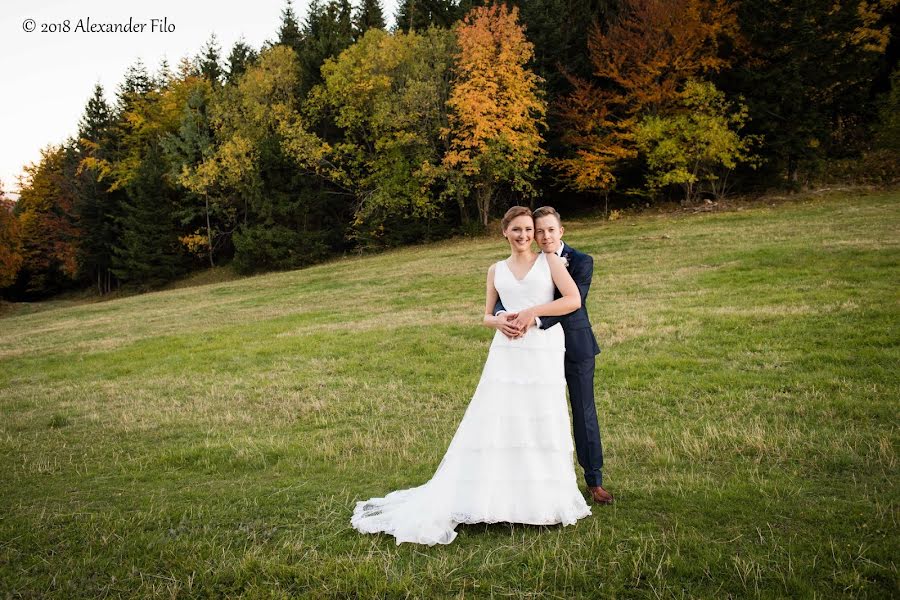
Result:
{"points": [[588, 447]]}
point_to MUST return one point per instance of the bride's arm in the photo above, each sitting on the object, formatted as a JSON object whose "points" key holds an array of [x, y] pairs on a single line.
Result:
{"points": [[569, 302], [490, 300], [502, 321]]}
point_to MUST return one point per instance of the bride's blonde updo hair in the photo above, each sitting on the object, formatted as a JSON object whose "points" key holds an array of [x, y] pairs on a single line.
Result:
{"points": [[512, 213]]}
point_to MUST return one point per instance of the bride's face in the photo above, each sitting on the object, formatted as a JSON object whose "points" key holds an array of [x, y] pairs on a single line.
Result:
{"points": [[520, 232]]}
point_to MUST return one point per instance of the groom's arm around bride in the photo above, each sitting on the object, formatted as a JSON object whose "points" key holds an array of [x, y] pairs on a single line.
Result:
{"points": [[581, 348]]}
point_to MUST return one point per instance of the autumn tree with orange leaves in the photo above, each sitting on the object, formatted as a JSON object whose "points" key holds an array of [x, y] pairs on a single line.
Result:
{"points": [[47, 224], [496, 109], [640, 65], [10, 250]]}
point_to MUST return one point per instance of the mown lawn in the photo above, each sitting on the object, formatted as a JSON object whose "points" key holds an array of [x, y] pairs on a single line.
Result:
{"points": [[212, 440]]}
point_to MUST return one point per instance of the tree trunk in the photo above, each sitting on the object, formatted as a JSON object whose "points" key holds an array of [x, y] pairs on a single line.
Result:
{"points": [[483, 195], [463, 212], [209, 232]]}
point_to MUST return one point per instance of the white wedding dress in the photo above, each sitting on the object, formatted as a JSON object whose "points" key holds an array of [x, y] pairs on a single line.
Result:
{"points": [[511, 457]]}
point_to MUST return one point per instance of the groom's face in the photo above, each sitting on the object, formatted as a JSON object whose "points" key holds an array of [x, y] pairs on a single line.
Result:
{"points": [[548, 232]]}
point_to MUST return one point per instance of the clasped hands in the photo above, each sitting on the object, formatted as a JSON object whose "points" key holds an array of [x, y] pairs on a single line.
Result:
{"points": [[515, 325]]}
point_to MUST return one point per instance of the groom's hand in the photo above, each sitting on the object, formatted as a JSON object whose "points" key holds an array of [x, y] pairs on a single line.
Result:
{"points": [[506, 326]]}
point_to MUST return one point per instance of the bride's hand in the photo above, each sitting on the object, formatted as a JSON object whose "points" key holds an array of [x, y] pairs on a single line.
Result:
{"points": [[505, 325], [524, 320]]}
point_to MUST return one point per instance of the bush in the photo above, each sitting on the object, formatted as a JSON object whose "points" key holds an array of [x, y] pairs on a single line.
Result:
{"points": [[273, 247]]}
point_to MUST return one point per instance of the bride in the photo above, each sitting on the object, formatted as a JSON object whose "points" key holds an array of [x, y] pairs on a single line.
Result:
{"points": [[511, 457]]}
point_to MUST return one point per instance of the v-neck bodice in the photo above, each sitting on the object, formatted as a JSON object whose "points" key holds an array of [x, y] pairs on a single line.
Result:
{"points": [[536, 287]]}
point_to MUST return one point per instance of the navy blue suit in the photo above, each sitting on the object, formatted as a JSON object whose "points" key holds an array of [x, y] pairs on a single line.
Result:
{"points": [[581, 348]]}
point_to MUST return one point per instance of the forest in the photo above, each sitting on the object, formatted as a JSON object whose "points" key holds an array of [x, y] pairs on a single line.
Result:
{"points": [[341, 136]]}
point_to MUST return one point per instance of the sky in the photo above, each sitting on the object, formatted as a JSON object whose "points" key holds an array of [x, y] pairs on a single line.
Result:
{"points": [[48, 77]]}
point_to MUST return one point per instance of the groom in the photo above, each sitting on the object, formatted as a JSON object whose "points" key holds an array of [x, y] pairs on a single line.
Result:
{"points": [[581, 348]]}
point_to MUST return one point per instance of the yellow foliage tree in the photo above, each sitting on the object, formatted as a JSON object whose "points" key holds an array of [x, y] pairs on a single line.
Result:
{"points": [[496, 107]]}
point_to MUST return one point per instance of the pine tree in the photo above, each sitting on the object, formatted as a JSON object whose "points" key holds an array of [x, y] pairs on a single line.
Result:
{"points": [[131, 92], [418, 15], [147, 251], [187, 68], [369, 15], [137, 83], [559, 31], [210, 61], [887, 127], [289, 30], [95, 206], [242, 55], [164, 75], [146, 248], [327, 31], [806, 73], [185, 150]]}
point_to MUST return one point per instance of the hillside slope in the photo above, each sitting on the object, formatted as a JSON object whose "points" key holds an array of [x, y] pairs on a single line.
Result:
{"points": [[213, 439]]}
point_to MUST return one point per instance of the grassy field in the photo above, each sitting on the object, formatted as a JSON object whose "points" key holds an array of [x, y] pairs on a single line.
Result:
{"points": [[212, 440]]}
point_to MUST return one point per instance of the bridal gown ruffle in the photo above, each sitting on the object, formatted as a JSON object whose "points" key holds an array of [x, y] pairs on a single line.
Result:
{"points": [[511, 457]]}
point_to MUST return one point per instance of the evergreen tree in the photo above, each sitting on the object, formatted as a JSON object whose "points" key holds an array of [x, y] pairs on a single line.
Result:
{"points": [[242, 55], [806, 73], [559, 31], [147, 251], [185, 149], [887, 127], [289, 30], [187, 68], [137, 171], [418, 15], [164, 75], [137, 83], [327, 31], [344, 34], [369, 15], [209, 60], [95, 206]]}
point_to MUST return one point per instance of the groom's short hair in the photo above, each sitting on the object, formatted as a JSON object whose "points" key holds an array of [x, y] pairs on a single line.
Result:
{"points": [[545, 211]]}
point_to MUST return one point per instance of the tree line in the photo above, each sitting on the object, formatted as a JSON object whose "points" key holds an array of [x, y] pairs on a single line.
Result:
{"points": [[339, 135]]}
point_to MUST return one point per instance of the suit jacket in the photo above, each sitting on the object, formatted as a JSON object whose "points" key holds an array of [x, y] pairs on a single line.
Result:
{"points": [[580, 341]]}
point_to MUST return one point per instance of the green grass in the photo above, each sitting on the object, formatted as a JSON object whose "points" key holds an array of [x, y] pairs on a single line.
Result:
{"points": [[212, 440]]}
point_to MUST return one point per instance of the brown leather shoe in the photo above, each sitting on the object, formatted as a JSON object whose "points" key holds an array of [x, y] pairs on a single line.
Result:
{"points": [[600, 495]]}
